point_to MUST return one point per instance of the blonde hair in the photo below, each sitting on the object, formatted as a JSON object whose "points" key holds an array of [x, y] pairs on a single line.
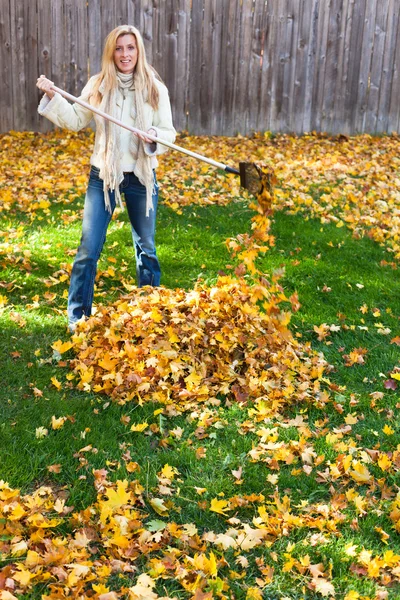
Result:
{"points": [[144, 73]]}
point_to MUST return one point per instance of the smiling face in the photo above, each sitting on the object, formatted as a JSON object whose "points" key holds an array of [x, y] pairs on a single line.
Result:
{"points": [[126, 53]]}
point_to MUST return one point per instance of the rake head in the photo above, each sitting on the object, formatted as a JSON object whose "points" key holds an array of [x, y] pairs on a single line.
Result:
{"points": [[256, 178], [259, 180]]}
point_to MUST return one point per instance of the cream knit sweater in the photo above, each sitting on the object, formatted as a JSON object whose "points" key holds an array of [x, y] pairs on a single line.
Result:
{"points": [[73, 116]]}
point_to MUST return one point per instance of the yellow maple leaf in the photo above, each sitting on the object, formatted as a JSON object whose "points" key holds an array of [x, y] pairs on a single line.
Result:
{"points": [[383, 535], [107, 362], [254, 593], [62, 347], [384, 462], [169, 472], [118, 497], [351, 419], [193, 380], [352, 595], [139, 427], [374, 568], [57, 423], [56, 383], [360, 473], [22, 575], [219, 506], [208, 565], [387, 430], [100, 588]]}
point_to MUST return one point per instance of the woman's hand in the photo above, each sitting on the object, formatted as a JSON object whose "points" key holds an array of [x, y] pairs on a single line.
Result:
{"points": [[45, 86], [145, 138]]}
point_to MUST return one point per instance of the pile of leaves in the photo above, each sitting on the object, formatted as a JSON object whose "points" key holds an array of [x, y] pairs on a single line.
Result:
{"points": [[181, 348]]}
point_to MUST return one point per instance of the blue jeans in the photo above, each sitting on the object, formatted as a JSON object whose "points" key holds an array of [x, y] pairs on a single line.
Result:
{"points": [[96, 219]]}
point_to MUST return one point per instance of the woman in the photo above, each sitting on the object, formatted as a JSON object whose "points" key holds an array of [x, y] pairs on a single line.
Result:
{"points": [[127, 88]]}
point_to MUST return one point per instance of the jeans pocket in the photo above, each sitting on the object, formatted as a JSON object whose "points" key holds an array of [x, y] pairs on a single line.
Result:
{"points": [[94, 172]]}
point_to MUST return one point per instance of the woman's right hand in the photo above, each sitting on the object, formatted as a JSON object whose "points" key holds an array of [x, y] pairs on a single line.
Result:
{"points": [[45, 86]]}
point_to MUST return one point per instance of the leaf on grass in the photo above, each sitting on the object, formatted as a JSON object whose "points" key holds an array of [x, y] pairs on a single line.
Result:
{"points": [[57, 423], [56, 468], [324, 587], [138, 427], [158, 505], [156, 525], [219, 506], [62, 347], [360, 473]]}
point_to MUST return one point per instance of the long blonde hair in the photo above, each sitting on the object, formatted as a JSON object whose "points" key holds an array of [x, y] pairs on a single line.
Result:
{"points": [[144, 73]]}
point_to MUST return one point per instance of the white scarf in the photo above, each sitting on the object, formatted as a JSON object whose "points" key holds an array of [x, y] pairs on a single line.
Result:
{"points": [[111, 171]]}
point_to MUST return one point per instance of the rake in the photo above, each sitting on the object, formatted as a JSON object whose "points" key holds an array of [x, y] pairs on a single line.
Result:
{"points": [[250, 174]]}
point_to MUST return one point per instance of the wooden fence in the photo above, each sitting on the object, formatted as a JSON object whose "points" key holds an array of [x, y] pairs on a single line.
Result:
{"points": [[230, 65]]}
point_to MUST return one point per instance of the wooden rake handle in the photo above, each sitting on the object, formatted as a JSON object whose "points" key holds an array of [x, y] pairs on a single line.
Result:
{"points": [[154, 138]]}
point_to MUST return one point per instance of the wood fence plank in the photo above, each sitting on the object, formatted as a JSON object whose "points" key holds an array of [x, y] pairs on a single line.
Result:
{"points": [[18, 64], [376, 68], [82, 45], [367, 45], [44, 49], [196, 67], [164, 39], [383, 108], [229, 64], [355, 53], [278, 57], [255, 65], [393, 118], [31, 63], [121, 13], [213, 58], [319, 79], [340, 115], [58, 69], [108, 18], [292, 42], [207, 66], [179, 92], [95, 41], [311, 66], [6, 46], [335, 36], [268, 45], [270, 73], [69, 47], [297, 91], [131, 13], [241, 109], [144, 17]]}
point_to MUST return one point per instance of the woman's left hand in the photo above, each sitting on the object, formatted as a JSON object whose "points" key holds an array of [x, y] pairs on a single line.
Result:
{"points": [[145, 138]]}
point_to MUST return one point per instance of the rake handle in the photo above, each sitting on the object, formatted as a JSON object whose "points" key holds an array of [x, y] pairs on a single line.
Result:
{"points": [[154, 138]]}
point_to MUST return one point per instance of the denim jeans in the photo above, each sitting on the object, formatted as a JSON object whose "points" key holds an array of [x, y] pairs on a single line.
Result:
{"points": [[96, 219]]}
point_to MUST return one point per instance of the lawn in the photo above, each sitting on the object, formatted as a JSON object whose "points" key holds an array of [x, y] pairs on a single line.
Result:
{"points": [[233, 434]]}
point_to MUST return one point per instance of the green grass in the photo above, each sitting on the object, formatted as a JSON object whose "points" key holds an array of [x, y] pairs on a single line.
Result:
{"points": [[334, 276]]}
